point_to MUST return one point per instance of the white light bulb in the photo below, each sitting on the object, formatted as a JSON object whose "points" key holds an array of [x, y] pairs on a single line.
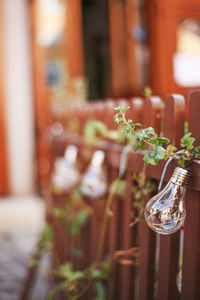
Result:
{"points": [[66, 174], [165, 213], [94, 182]]}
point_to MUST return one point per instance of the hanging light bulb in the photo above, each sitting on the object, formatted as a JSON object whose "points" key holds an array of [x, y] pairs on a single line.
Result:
{"points": [[165, 212], [66, 174], [94, 182]]}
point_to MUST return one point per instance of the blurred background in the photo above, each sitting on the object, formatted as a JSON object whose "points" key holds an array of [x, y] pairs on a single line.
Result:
{"points": [[59, 53]]}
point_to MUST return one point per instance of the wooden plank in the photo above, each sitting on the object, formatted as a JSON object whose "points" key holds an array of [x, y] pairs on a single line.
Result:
{"points": [[152, 113], [129, 235], [117, 48], [128, 240], [113, 244], [147, 239], [136, 110], [174, 118], [169, 245], [133, 46], [191, 249], [73, 38]]}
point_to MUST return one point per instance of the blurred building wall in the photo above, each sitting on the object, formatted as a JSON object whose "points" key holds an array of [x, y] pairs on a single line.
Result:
{"points": [[18, 96]]}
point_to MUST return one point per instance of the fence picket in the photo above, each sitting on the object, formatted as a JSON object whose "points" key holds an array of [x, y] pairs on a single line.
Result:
{"points": [[169, 245], [152, 113], [191, 248]]}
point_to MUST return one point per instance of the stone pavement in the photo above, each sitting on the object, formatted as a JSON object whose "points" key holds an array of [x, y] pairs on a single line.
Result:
{"points": [[21, 220]]}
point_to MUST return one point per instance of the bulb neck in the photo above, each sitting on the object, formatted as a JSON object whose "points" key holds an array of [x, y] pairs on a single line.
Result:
{"points": [[180, 176], [71, 154], [98, 159]]}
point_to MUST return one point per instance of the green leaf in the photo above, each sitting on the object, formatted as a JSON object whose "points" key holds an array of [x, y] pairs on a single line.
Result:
{"points": [[127, 131], [181, 161], [77, 275], [136, 125], [187, 141], [146, 133], [159, 141], [117, 118], [99, 274], [118, 187], [61, 286], [100, 291], [141, 146], [47, 233], [66, 269], [152, 157], [170, 150], [80, 219], [160, 152], [197, 151]]}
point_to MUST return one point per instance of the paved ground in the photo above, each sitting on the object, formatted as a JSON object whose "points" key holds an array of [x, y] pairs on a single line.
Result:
{"points": [[21, 220]]}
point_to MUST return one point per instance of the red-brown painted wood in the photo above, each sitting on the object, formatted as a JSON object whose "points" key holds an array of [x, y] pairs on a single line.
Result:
{"points": [[152, 114], [191, 249], [147, 242], [128, 240], [117, 48], [113, 243], [169, 245]]}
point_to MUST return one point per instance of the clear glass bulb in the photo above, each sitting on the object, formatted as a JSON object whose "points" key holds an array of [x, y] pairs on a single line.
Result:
{"points": [[94, 182], [165, 213], [66, 174]]}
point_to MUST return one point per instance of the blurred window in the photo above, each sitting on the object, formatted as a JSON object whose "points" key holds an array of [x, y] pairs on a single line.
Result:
{"points": [[51, 18], [186, 60]]}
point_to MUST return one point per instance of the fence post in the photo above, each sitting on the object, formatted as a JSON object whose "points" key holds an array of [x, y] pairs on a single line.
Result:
{"points": [[169, 245], [146, 236], [191, 248]]}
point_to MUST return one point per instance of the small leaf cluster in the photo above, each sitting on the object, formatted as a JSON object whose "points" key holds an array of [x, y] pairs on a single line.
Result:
{"points": [[80, 219], [142, 189], [156, 147], [76, 282], [45, 244], [186, 143], [75, 214], [118, 187]]}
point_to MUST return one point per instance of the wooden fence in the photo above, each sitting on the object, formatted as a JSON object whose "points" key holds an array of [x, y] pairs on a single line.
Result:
{"points": [[155, 277]]}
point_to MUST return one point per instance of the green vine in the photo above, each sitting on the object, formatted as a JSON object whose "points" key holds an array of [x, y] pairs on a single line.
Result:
{"points": [[154, 145]]}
